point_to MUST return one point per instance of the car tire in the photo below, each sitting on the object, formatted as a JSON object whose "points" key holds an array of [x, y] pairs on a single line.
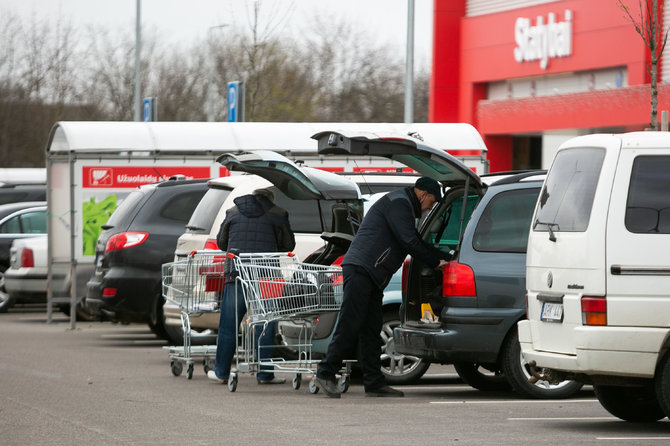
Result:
{"points": [[636, 404], [480, 377], [6, 300], [662, 384], [175, 336], [396, 367], [517, 372], [157, 319]]}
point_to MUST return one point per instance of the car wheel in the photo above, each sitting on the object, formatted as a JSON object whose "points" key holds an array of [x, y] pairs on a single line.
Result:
{"points": [[517, 372], [637, 404], [157, 319], [6, 301], [662, 384], [481, 377], [396, 367]]}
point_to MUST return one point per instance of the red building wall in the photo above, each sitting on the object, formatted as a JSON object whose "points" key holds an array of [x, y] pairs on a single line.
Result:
{"points": [[470, 52]]}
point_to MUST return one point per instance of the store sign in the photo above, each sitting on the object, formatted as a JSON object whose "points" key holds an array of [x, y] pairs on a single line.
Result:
{"points": [[543, 41]]}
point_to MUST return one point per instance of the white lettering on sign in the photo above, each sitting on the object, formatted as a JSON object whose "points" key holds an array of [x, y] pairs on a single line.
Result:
{"points": [[543, 41]]}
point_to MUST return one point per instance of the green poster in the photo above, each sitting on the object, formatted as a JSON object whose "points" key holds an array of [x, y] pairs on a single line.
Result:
{"points": [[94, 215]]}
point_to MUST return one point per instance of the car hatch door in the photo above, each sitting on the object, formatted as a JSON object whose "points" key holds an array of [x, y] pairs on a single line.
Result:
{"points": [[279, 170], [412, 152]]}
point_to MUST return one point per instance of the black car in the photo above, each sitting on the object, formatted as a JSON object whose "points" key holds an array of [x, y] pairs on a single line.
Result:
{"points": [[14, 193], [139, 237]]}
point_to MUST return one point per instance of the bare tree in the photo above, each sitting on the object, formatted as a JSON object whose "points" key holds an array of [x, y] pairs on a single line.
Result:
{"points": [[651, 31]]}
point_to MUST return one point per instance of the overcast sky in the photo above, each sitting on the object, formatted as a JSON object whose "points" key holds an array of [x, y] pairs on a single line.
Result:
{"points": [[189, 20]]}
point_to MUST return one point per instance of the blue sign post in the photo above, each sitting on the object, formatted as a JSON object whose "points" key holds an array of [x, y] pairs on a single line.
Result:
{"points": [[235, 101], [149, 112]]}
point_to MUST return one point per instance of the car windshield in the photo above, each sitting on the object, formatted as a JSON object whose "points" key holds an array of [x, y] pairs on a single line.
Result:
{"points": [[567, 196]]}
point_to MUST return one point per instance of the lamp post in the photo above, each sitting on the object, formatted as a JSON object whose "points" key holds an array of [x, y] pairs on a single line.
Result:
{"points": [[210, 78], [409, 64], [137, 106]]}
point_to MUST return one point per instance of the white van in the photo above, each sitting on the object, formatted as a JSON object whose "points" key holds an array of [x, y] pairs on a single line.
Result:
{"points": [[598, 272]]}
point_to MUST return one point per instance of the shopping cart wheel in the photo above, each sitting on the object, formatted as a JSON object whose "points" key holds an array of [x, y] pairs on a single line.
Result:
{"points": [[313, 388], [176, 367], [232, 382], [189, 371], [343, 384], [297, 380]]}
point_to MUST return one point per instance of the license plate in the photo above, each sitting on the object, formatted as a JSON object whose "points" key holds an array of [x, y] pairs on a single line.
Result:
{"points": [[552, 312]]}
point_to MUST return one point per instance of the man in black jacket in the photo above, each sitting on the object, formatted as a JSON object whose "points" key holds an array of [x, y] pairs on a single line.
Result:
{"points": [[387, 234], [254, 224]]}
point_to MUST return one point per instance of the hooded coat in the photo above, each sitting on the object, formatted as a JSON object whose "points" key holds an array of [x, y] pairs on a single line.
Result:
{"points": [[255, 224]]}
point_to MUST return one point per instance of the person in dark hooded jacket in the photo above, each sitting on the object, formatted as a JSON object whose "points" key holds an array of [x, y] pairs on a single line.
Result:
{"points": [[254, 224], [386, 236]]}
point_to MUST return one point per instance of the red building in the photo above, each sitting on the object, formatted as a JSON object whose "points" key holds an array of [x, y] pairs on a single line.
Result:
{"points": [[529, 74]]}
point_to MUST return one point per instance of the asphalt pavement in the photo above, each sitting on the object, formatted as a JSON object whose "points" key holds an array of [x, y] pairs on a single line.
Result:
{"points": [[111, 384]]}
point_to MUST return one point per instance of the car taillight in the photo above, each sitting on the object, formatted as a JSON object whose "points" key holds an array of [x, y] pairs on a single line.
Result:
{"points": [[27, 258], [594, 311], [404, 278], [125, 240], [211, 244], [458, 280], [109, 292], [338, 261]]}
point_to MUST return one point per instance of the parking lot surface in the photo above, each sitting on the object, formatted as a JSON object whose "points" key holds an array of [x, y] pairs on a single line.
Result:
{"points": [[110, 384]]}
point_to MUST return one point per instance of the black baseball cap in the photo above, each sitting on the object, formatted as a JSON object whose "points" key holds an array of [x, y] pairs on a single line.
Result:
{"points": [[429, 185]]}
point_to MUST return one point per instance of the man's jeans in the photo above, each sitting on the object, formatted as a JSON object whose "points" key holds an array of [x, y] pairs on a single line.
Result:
{"points": [[226, 342]]}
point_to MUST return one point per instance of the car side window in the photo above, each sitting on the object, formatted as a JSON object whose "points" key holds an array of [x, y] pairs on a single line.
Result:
{"points": [[11, 226], [505, 223], [34, 222], [648, 204]]}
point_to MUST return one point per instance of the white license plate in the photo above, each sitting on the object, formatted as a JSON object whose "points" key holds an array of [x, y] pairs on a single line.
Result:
{"points": [[552, 312]]}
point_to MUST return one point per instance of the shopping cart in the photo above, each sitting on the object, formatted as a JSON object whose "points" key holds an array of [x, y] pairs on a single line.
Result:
{"points": [[279, 287], [195, 285]]}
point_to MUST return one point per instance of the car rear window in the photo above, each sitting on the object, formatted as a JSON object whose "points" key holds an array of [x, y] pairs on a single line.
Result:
{"points": [[567, 196], [504, 224], [125, 208], [648, 205], [205, 213]]}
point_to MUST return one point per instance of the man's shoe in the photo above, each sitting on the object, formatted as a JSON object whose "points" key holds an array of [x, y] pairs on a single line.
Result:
{"points": [[211, 374], [271, 381], [329, 386], [385, 391]]}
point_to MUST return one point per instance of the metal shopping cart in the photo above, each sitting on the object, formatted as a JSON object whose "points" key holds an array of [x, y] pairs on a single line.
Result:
{"points": [[279, 287], [195, 285]]}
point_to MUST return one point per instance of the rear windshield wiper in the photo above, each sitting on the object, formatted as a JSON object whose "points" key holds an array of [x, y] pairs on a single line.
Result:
{"points": [[195, 228], [550, 226]]}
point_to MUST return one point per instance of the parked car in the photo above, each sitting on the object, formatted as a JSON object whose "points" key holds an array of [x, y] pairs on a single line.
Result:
{"points": [[15, 193], [597, 272], [479, 296], [134, 243], [26, 278], [17, 220]]}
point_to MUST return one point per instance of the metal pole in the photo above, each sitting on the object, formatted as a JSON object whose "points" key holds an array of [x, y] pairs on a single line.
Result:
{"points": [[137, 105], [209, 100], [409, 64]]}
